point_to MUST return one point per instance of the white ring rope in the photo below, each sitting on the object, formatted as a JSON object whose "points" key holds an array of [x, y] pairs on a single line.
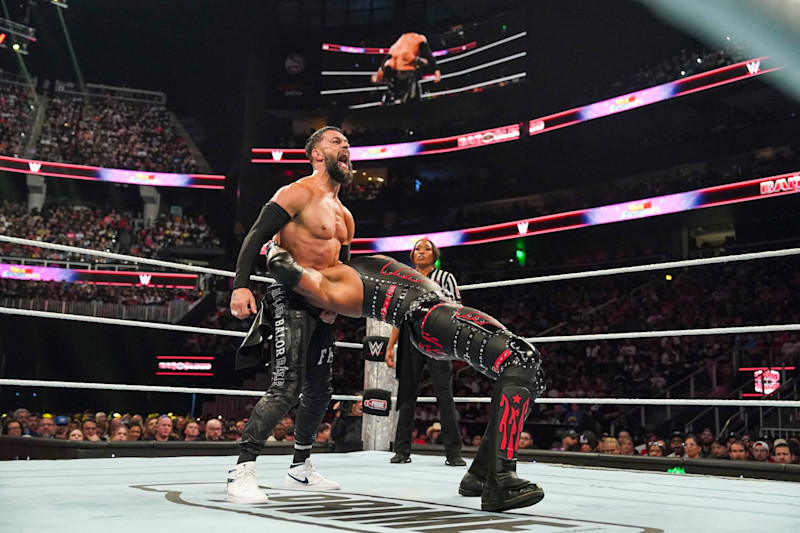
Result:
{"points": [[640, 268], [357, 345], [129, 258], [234, 392], [485, 285]]}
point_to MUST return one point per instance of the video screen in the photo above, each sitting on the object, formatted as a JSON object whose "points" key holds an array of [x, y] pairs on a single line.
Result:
{"points": [[411, 66]]}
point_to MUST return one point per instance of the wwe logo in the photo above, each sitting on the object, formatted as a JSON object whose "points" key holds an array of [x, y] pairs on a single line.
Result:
{"points": [[277, 155], [375, 348], [34, 166], [144, 279], [753, 67], [522, 227]]}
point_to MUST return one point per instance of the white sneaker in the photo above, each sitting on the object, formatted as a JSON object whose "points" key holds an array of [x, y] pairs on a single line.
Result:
{"points": [[306, 477], [242, 485]]}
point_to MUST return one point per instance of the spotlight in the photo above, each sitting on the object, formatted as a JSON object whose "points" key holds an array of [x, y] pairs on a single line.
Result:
{"points": [[668, 277]]}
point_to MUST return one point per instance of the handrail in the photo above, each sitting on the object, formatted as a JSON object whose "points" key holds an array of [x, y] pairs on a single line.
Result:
{"points": [[789, 382]]}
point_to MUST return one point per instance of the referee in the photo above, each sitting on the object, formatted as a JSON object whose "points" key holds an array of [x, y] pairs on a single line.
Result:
{"points": [[409, 371]]}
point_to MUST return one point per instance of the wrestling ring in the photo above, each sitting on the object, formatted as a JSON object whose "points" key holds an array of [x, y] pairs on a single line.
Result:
{"points": [[127, 493]]}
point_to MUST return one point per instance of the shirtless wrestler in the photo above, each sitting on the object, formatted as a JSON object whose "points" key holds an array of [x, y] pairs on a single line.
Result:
{"points": [[409, 57], [381, 288], [307, 218]]}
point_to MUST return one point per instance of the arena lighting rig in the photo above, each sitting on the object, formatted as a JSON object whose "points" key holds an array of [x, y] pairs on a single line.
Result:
{"points": [[16, 36]]}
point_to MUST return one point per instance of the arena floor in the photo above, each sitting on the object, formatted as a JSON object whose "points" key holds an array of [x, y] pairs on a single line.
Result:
{"points": [[188, 494]]}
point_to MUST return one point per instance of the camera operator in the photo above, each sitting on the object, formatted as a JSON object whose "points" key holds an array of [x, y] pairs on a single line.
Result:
{"points": [[346, 427]]}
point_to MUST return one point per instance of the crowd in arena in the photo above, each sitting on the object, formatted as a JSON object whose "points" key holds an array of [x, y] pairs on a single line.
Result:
{"points": [[99, 426], [98, 229], [17, 111], [62, 291], [111, 133]]}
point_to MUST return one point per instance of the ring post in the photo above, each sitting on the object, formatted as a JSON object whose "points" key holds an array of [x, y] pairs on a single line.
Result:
{"points": [[378, 431]]}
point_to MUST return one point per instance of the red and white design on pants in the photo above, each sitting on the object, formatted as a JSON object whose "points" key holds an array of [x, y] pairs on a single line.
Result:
{"points": [[500, 360], [511, 421], [386, 300]]}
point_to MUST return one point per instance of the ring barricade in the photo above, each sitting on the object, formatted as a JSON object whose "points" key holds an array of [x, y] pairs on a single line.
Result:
{"points": [[428, 399]]}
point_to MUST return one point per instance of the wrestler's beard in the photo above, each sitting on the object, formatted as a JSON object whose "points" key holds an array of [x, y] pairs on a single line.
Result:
{"points": [[336, 172]]}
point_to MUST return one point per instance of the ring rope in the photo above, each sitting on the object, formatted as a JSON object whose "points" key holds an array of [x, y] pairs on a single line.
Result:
{"points": [[485, 285], [130, 258], [358, 345], [235, 392], [640, 268]]}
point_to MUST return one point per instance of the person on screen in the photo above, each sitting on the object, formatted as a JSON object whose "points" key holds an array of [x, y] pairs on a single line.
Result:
{"points": [[409, 59]]}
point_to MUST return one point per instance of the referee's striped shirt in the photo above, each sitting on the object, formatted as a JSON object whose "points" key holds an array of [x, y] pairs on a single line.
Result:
{"points": [[446, 281]]}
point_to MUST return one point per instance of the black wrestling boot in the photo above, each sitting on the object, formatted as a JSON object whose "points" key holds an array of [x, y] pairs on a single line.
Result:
{"points": [[502, 489], [510, 492], [473, 481], [400, 458], [471, 485], [456, 460]]}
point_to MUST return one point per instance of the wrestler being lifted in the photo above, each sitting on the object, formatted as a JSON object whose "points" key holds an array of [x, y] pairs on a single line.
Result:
{"points": [[384, 289]]}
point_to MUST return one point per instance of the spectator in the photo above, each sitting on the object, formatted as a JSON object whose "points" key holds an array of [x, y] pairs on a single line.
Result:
{"points": [[120, 433], [783, 453], [676, 448], [191, 432], [588, 442], [179, 427], [323, 433], [231, 431], [569, 442], [626, 445], [13, 428], [134, 431], [706, 441], [213, 431], [692, 447], [164, 430], [89, 430], [611, 446], [719, 449], [525, 440], [23, 416], [150, 428], [656, 448], [62, 427], [47, 427], [760, 452], [346, 427], [278, 433], [737, 451], [101, 419], [76, 434]]}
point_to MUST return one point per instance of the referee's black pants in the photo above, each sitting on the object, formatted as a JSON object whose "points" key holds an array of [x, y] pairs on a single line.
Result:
{"points": [[442, 377]]}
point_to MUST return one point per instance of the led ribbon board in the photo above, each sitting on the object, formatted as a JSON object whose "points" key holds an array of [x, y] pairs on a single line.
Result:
{"points": [[732, 193], [111, 175]]}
